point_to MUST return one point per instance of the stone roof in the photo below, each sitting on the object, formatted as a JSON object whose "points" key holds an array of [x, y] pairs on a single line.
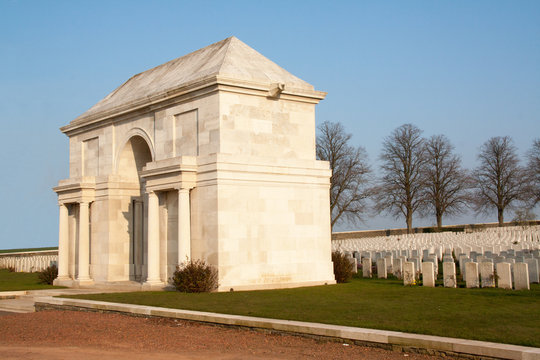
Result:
{"points": [[229, 58]]}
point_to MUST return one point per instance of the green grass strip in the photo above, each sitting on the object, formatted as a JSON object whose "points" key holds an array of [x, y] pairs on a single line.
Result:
{"points": [[496, 315], [14, 281]]}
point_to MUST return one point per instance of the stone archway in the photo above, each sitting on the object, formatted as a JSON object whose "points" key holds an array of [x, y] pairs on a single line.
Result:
{"points": [[133, 157]]}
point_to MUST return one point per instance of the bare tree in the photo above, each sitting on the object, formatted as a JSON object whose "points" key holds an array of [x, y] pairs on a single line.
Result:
{"points": [[533, 170], [499, 180], [400, 189], [350, 172], [445, 182]]}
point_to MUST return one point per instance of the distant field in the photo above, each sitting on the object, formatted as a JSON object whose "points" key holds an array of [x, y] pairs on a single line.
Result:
{"points": [[29, 249], [497, 315]]}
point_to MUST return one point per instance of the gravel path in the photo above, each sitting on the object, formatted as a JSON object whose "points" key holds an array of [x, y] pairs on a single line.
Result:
{"points": [[80, 335]]}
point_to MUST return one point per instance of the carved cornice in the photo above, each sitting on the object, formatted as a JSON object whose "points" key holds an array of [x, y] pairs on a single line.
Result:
{"points": [[188, 92]]}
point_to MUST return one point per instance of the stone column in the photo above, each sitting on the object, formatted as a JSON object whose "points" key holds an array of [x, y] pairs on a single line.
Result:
{"points": [[63, 243], [184, 226], [153, 239], [84, 243], [138, 215]]}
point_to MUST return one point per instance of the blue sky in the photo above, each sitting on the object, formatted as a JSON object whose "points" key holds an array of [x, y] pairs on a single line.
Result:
{"points": [[466, 69]]}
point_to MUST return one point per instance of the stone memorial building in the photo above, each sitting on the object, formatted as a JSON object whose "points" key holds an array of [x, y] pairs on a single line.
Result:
{"points": [[209, 156]]}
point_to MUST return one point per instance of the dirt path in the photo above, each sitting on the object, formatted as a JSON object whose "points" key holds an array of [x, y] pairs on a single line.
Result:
{"points": [[79, 335]]}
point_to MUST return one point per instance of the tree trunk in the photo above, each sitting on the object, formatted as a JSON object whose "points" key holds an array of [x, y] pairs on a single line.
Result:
{"points": [[439, 221], [409, 222], [501, 216]]}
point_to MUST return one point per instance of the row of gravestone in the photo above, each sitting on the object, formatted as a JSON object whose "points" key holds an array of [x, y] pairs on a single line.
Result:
{"points": [[440, 250], [30, 263], [490, 261], [507, 275], [494, 241]]}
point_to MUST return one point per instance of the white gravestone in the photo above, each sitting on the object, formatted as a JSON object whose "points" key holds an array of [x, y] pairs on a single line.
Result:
{"points": [[505, 275], [381, 268], [487, 275], [354, 264], [521, 276], [471, 275], [428, 274], [389, 259], [532, 264], [366, 267], [397, 268], [409, 273], [449, 274]]}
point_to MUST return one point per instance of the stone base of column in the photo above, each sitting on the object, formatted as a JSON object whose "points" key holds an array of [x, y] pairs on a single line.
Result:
{"points": [[153, 285], [64, 281], [84, 282]]}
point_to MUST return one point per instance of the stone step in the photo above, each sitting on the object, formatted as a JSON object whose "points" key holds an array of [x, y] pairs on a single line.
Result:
{"points": [[22, 304]]}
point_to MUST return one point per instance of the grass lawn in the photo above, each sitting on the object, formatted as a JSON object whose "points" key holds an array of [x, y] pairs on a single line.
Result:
{"points": [[30, 249], [496, 315], [13, 281]]}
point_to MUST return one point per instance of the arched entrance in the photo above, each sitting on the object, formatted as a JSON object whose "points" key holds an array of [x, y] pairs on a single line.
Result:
{"points": [[133, 157]]}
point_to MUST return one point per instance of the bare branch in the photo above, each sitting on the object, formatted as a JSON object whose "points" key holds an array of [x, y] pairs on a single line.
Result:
{"points": [[350, 172], [533, 174], [400, 189], [499, 180], [445, 182]]}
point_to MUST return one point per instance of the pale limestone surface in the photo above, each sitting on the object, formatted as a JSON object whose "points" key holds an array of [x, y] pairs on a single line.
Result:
{"points": [[505, 276], [397, 268], [486, 274], [428, 274], [532, 265], [521, 276], [210, 156], [409, 273], [366, 267], [381, 268], [471, 275], [449, 274], [354, 265]]}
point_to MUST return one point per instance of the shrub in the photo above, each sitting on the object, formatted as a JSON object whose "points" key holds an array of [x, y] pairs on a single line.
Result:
{"points": [[342, 267], [194, 277], [47, 276]]}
